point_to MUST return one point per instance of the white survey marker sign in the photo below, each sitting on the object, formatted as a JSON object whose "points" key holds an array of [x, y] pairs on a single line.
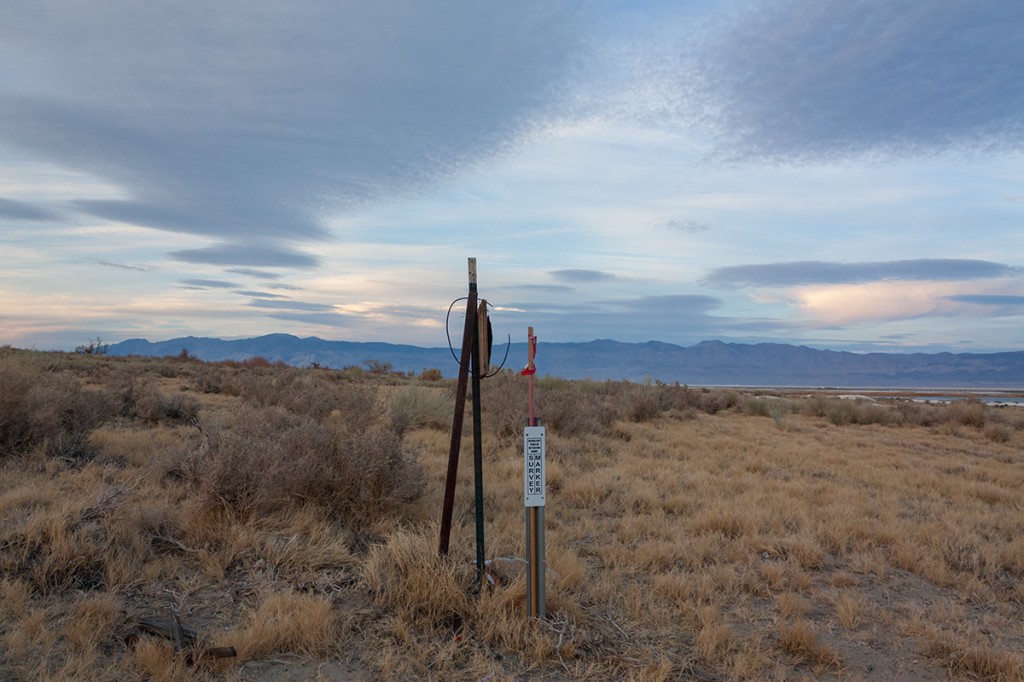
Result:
{"points": [[533, 466]]}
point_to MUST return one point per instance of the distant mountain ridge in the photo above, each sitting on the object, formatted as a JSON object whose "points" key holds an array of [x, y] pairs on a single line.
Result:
{"points": [[708, 363]]}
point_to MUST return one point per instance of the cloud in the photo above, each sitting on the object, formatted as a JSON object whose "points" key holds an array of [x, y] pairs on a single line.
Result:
{"points": [[821, 78], [846, 304], [679, 318], [290, 305], [684, 225], [672, 304], [988, 299], [18, 210], [544, 288], [273, 254], [258, 274], [582, 276], [206, 283], [255, 119], [323, 319], [259, 294], [822, 272], [122, 266]]}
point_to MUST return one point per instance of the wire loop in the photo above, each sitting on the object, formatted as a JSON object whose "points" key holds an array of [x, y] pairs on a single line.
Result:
{"points": [[451, 349]]}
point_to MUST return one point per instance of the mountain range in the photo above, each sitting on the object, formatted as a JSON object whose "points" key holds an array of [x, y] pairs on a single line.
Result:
{"points": [[708, 363]]}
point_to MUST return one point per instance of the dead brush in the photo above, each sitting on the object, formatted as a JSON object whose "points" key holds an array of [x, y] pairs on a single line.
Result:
{"points": [[416, 406], [289, 622], [266, 459], [52, 411], [799, 639], [405, 575], [701, 544]]}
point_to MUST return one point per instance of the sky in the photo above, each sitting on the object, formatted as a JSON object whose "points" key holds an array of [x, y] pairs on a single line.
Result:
{"points": [[843, 174]]}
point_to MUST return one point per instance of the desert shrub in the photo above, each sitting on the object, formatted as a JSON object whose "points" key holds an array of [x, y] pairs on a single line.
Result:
{"points": [[816, 406], [431, 374], [705, 400], [840, 412], [352, 373], [997, 433], [713, 402], [966, 412], [266, 458], [873, 413], [581, 408], [644, 403], [208, 379], [94, 347], [418, 406], [49, 410], [917, 414], [757, 407], [137, 397], [378, 366], [301, 392], [153, 405], [504, 398], [844, 411]]}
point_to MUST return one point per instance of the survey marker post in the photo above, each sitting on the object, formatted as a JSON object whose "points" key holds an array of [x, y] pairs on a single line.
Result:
{"points": [[534, 453]]}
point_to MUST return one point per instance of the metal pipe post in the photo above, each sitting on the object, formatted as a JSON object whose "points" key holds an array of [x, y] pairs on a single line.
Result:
{"points": [[478, 459], [457, 418]]}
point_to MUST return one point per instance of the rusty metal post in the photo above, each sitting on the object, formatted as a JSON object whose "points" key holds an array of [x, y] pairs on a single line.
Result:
{"points": [[468, 335]]}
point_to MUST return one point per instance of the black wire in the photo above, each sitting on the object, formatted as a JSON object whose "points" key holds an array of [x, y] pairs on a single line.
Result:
{"points": [[451, 349], [448, 332]]}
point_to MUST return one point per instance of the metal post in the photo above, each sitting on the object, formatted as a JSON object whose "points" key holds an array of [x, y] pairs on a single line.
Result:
{"points": [[533, 445], [478, 460], [457, 418]]}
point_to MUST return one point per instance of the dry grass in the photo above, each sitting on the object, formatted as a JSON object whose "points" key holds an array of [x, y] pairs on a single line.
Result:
{"points": [[692, 534]]}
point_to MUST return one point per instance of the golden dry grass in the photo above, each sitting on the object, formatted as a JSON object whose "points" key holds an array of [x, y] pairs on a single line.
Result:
{"points": [[691, 534]]}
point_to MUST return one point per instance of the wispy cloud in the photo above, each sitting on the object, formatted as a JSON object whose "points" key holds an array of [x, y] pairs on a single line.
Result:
{"points": [[819, 78], [122, 266], [207, 283], [275, 304], [988, 299], [241, 120], [259, 294], [543, 288], [682, 318], [823, 272], [266, 254], [582, 276], [17, 210], [684, 225], [316, 319], [250, 272]]}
